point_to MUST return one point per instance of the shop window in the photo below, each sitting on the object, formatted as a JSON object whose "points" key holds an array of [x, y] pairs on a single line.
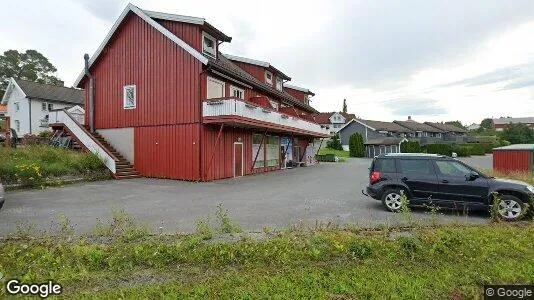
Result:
{"points": [[273, 151], [257, 145]]}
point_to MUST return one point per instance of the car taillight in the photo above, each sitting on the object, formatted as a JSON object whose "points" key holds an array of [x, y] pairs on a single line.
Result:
{"points": [[375, 177]]}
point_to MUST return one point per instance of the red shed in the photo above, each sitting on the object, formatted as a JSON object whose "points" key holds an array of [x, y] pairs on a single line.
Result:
{"points": [[163, 102], [514, 158]]}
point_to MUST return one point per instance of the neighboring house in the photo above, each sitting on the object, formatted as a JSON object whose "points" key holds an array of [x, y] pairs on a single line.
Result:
{"points": [[334, 121], [29, 104], [448, 129], [501, 123], [379, 137], [473, 126], [420, 130], [172, 106]]}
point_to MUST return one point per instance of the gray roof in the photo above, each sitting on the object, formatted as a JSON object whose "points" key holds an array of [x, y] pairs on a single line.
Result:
{"points": [[517, 147], [446, 127], [416, 126], [224, 65], [385, 126], [503, 121], [51, 92], [384, 141]]}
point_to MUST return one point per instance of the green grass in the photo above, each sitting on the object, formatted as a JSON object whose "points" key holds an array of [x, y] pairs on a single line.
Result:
{"points": [[33, 164], [440, 263], [339, 153]]}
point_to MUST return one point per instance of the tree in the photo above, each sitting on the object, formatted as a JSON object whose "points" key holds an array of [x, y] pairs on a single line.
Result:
{"points": [[486, 123], [334, 143], [411, 147], [356, 146], [345, 105], [456, 123], [518, 133], [30, 65]]}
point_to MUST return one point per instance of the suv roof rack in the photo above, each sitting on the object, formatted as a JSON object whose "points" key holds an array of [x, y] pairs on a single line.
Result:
{"points": [[411, 155]]}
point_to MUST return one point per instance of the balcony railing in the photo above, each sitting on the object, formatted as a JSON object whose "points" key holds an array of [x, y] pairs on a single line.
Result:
{"points": [[244, 111]]}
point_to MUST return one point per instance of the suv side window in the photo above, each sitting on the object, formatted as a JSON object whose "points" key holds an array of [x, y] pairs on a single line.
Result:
{"points": [[385, 165], [452, 168], [415, 166]]}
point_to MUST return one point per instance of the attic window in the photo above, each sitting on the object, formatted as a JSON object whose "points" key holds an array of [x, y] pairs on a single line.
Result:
{"points": [[130, 97], [208, 45], [278, 83], [268, 77]]}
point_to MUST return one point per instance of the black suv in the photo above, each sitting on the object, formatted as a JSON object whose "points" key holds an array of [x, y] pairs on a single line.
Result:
{"points": [[443, 181]]}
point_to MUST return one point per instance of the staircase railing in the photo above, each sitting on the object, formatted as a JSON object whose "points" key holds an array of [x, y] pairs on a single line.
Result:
{"points": [[81, 134]]}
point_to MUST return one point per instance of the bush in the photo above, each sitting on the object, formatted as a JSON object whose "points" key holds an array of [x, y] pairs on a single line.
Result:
{"points": [[462, 151], [443, 149], [478, 149], [30, 139], [46, 134], [356, 146], [334, 143], [411, 147]]}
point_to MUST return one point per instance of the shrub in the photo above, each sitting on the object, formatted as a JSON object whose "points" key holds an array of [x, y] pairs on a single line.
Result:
{"points": [[478, 149], [411, 147], [356, 146], [30, 139], [46, 134], [462, 151], [443, 149], [334, 143], [29, 175]]}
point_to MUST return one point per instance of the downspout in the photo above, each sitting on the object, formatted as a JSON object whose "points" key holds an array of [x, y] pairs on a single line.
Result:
{"points": [[91, 94], [30, 113]]}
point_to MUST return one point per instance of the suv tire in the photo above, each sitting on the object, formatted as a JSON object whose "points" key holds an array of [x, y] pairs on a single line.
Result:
{"points": [[391, 199], [510, 208]]}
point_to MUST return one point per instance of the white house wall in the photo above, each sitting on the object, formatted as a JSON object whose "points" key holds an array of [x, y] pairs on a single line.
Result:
{"points": [[121, 139], [38, 114], [22, 115]]}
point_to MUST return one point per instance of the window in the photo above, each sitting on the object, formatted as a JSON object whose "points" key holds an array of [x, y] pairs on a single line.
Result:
{"points": [[237, 92], [273, 151], [17, 106], [307, 99], [385, 165], [257, 145], [415, 166], [215, 88], [17, 126], [50, 106], [209, 45], [268, 77], [337, 126], [452, 168], [129, 97], [274, 104], [43, 106], [278, 83]]}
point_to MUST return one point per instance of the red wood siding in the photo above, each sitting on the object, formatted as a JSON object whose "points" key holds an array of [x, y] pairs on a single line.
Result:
{"points": [[512, 160], [256, 71], [165, 75], [301, 96], [189, 33], [170, 151]]}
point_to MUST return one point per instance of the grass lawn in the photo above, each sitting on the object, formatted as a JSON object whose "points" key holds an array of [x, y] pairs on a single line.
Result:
{"points": [[339, 153], [124, 262], [34, 165]]}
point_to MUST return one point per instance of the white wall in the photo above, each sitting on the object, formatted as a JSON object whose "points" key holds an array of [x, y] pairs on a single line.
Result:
{"points": [[121, 139], [38, 114], [22, 115]]}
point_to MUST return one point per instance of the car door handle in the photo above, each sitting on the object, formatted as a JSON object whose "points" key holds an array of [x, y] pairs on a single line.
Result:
{"points": [[445, 181], [404, 179]]}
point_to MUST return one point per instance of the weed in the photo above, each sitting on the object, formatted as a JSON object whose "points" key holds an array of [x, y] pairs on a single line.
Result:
{"points": [[203, 229], [405, 209], [122, 226], [226, 224], [359, 249]]}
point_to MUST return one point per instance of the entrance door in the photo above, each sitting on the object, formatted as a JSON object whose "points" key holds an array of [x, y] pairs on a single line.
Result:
{"points": [[238, 159]]}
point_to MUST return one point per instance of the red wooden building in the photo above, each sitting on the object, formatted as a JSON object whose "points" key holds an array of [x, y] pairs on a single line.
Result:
{"points": [[162, 101], [514, 158]]}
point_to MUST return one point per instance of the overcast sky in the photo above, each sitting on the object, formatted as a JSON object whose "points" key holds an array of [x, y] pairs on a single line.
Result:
{"points": [[433, 60]]}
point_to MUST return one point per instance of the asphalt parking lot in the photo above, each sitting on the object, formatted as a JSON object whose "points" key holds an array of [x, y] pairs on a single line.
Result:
{"points": [[326, 193]]}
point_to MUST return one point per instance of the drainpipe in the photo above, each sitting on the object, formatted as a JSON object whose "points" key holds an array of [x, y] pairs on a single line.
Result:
{"points": [[91, 94]]}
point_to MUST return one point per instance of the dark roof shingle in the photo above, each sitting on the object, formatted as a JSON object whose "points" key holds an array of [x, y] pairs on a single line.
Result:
{"points": [[324, 117], [51, 92], [446, 127], [416, 126], [385, 126]]}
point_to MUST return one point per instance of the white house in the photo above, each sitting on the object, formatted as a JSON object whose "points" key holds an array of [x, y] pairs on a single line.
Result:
{"points": [[334, 120], [29, 103]]}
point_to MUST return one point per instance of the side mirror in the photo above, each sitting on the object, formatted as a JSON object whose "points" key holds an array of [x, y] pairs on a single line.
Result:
{"points": [[472, 176]]}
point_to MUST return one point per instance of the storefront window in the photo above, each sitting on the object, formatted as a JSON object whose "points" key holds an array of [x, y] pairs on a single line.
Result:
{"points": [[273, 151], [257, 145]]}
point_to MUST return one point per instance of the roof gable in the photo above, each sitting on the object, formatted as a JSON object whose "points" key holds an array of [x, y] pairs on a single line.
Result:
{"points": [[130, 8]]}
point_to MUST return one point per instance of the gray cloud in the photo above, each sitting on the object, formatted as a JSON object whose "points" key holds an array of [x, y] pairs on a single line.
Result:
{"points": [[403, 107], [105, 10]]}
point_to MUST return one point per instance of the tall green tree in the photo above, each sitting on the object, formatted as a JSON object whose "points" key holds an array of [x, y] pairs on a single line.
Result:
{"points": [[486, 123], [356, 146], [30, 65], [456, 123], [518, 133], [345, 105], [334, 143]]}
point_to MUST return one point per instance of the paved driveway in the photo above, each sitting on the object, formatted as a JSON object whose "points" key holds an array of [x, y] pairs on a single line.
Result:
{"points": [[329, 192]]}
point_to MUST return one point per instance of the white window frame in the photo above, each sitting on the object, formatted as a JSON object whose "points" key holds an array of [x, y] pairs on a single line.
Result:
{"points": [[124, 99], [267, 80], [205, 50], [44, 106], [49, 106], [235, 88], [216, 81], [281, 82], [17, 106], [17, 126]]}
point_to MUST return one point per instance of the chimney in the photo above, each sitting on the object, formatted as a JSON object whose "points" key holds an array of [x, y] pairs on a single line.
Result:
{"points": [[409, 118]]}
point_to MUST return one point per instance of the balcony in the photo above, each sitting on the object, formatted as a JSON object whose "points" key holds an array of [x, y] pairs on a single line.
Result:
{"points": [[237, 112]]}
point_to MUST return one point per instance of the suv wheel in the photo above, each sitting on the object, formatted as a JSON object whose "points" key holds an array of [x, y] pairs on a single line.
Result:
{"points": [[510, 208], [391, 199]]}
